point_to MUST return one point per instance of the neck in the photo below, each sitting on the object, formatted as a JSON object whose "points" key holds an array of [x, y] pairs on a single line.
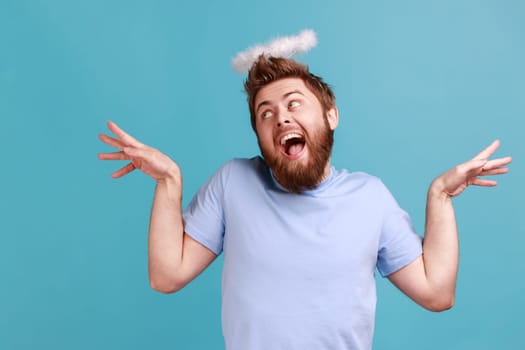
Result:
{"points": [[326, 172]]}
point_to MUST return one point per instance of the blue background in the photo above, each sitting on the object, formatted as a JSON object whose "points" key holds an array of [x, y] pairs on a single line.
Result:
{"points": [[421, 87]]}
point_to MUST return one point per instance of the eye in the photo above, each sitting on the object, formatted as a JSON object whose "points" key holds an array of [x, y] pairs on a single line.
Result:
{"points": [[266, 114], [293, 104]]}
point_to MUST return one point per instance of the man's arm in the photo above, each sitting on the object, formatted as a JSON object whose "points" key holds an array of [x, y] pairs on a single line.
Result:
{"points": [[430, 280], [174, 258]]}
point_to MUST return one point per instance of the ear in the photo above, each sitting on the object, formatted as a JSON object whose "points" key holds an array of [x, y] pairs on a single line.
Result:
{"points": [[332, 115]]}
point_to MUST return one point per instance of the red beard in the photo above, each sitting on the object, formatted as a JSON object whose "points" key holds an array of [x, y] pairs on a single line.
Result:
{"points": [[295, 176]]}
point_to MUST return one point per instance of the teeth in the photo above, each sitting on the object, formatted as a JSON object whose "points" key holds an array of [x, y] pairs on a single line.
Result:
{"points": [[288, 137]]}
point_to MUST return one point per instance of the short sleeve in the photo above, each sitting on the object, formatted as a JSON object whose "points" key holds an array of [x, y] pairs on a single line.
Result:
{"points": [[204, 216], [399, 244]]}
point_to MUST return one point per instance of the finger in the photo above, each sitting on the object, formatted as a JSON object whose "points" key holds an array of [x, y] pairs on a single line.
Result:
{"points": [[113, 156], [123, 171], [122, 135], [484, 183], [111, 141], [142, 153], [497, 171], [487, 152], [472, 167], [497, 163], [133, 152]]}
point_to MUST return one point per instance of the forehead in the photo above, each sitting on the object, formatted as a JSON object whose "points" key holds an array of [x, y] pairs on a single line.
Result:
{"points": [[279, 88]]}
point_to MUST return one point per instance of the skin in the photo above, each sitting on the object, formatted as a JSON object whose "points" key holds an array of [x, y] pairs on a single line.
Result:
{"points": [[175, 258], [288, 107], [430, 280]]}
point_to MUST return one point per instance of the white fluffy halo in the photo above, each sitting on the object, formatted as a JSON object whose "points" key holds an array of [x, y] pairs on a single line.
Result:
{"points": [[286, 46]]}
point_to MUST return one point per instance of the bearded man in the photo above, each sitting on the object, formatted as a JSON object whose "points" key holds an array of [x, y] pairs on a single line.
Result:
{"points": [[301, 240]]}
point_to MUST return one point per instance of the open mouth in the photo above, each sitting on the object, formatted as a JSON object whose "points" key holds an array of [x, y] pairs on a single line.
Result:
{"points": [[292, 144]]}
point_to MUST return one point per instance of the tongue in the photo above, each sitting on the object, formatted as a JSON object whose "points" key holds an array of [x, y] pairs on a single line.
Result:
{"points": [[295, 149]]}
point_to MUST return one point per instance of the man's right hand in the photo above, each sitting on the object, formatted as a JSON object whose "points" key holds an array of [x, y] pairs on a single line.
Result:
{"points": [[147, 159]]}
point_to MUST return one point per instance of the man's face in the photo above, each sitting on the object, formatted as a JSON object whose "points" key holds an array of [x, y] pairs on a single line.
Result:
{"points": [[294, 133]]}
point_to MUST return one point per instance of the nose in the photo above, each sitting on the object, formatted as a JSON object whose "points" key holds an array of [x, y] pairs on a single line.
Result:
{"points": [[283, 118]]}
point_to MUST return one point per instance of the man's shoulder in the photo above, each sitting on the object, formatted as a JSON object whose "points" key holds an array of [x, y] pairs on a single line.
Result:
{"points": [[346, 182], [237, 169], [358, 177]]}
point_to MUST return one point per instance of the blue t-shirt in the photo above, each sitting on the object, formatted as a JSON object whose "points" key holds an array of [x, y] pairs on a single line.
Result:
{"points": [[299, 268]]}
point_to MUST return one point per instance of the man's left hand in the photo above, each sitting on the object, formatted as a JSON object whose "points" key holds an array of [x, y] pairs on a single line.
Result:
{"points": [[456, 180]]}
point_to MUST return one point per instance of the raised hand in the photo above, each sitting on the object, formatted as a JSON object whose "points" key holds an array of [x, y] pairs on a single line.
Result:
{"points": [[457, 179], [147, 159]]}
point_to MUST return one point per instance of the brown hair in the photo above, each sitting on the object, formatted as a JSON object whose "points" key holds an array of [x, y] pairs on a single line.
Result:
{"points": [[269, 69]]}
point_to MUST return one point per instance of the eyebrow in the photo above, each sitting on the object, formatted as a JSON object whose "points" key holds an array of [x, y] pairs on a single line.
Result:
{"points": [[265, 103]]}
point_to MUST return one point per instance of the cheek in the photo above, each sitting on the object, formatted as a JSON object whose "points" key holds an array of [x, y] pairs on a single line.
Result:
{"points": [[265, 137], [267, 142]]}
